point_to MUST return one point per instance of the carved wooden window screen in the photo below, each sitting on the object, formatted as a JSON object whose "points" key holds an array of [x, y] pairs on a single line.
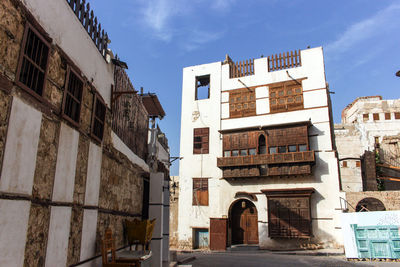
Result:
{"points": [[98, 118], [33, 62], [200, 140], [72, 96], [397, 115], [200, 192], [242, 103], [285, 97], [289, 217], [387, 116], [375, 116]]}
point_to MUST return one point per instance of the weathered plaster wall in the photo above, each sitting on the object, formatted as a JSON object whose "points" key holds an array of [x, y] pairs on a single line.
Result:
{"points": [[21, 149], [57, 244], [5, 106], [64, 180], [13, 231], [93, 177]]}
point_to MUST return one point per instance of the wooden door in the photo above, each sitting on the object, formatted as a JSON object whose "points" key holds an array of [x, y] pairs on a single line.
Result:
{"points": [[218, 233], [244, 221]]}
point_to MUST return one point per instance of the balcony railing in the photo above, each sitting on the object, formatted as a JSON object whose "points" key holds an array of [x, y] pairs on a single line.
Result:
{"points": [[284, 61], [279, 158]]}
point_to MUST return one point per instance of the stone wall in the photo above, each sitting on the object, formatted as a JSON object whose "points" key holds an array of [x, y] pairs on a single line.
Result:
{"points": [[391, 199], [121, 181]]}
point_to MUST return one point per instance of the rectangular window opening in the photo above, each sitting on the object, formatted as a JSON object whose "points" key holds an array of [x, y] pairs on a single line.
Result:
{"points": [[33, 63], [98, 118], [388, 116], [200, 140], [376, 116], [72, 97], [200, 192], [365, 117], [202, 87], [302, 148], [292, 148]]}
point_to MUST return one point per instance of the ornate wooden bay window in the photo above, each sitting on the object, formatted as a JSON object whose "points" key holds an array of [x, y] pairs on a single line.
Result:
{"points": [[289, 212], [269, 152]]}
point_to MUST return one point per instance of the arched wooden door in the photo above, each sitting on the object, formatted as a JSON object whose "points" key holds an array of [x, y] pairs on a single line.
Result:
{"points": [[244, 222]]}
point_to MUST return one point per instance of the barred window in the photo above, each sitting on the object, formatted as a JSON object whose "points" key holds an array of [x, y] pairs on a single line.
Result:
{"points": [[98, 118], [33, 62], [72, 97]]}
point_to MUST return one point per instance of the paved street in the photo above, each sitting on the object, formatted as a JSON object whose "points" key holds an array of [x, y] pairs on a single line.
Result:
{"points": [[270, 259]]}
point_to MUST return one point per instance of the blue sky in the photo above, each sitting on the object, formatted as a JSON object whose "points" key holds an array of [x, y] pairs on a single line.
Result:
{"points": [[158, 38]]}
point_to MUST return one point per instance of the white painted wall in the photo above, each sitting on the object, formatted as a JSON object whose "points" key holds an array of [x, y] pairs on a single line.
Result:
{"points": [[64, 180], [21, 148], [60, 22], [93, 175], [121, 147], [214, 113], [13, 230], [57, 244], [88, 242]]}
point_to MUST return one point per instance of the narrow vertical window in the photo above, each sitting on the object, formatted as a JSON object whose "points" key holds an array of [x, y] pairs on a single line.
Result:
{"points": [[200, 140], [33, 62], [202, 87], [72, 97], [387, 116], [365, 117], [200, 192], [375, 116], [98, 118]]}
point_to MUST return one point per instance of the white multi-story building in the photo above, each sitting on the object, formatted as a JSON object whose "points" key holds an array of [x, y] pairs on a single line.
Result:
{"points": [[258, 159], [367, 123]]}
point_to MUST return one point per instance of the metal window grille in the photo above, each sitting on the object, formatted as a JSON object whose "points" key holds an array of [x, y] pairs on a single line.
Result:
{"points": [[73, 96], [33, 62], [99, 114]]}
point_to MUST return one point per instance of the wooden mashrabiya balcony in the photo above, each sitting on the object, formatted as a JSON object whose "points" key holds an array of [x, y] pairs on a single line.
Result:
{"points": [[278, 158]]}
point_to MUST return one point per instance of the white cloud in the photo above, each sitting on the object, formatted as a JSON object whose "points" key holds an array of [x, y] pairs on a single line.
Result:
{"points": [[382, 21], [198, 38], [161, 18]]}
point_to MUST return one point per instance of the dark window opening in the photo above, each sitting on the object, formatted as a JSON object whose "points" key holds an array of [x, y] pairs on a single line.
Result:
{"points": [[281, 149], [235, 153], [146, 199], [33, 63], [365, 117], [73, 96], [243, 152], [397, 115], [375, 116], [99, 114], [262, 147], [302, 148], [292, 148], [202, 87], [387, 116], [200, 192], [344, 164]]}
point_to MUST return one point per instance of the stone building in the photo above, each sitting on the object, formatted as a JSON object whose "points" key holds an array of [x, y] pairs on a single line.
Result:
{"points": [[258, 158], [74, 151], [368, 124]]}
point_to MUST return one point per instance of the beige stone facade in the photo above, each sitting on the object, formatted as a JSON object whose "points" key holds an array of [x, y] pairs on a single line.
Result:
{"points": [[72, 184]]}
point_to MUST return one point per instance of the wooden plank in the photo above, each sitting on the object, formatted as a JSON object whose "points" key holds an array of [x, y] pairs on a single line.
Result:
{"points": [[299, 58]]}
